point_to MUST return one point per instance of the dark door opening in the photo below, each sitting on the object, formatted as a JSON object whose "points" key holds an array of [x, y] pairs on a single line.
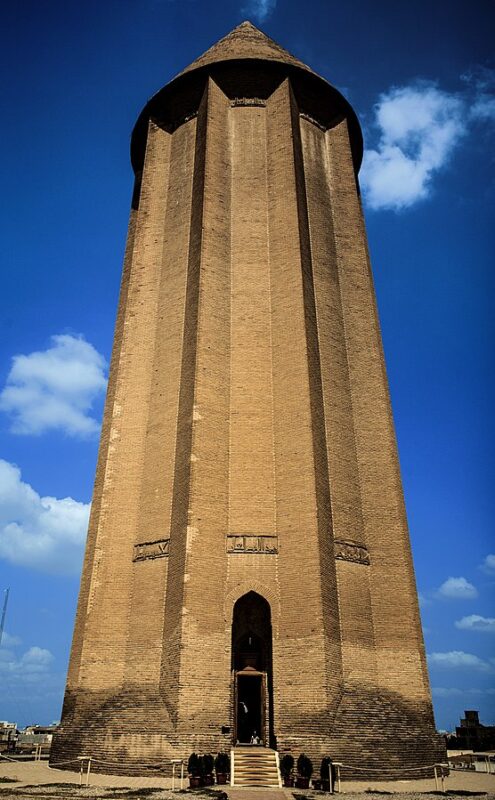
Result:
{"points": [[252, 670], [250, 703]]}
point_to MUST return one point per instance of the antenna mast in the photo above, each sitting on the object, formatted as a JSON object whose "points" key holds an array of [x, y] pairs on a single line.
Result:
{"points": [[4, 611]]}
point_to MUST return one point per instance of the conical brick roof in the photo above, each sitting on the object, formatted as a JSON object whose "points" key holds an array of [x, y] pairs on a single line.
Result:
{"points": [[231, 56], [245, 41]]}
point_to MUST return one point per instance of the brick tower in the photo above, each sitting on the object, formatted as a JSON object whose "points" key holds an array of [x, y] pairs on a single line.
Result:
{"points": [[248, 563]]}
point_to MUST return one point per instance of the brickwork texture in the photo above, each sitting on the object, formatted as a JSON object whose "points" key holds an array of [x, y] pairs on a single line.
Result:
{"points": [[248, 442]]}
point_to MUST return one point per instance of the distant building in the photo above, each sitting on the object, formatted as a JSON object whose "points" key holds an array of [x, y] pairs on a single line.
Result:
{"points": [[471, 734], [34, 735], [8, 735], [467, 759]]}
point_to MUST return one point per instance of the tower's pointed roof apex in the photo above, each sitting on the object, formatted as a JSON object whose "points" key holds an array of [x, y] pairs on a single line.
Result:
{"points": [[245, 63], [245, 41]]}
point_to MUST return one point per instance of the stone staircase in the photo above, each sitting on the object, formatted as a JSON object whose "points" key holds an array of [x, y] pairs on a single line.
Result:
{"points": [[255, 766]]}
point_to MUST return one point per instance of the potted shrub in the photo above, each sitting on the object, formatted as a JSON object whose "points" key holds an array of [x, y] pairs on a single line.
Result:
{"points": [[222, 768], [326, 766], [304, 771], [208, 764], [194, 771], [286, 769]]}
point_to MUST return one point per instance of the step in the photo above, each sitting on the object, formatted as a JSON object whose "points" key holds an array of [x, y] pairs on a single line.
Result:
{"points": [[267, 771], [256, 767]]}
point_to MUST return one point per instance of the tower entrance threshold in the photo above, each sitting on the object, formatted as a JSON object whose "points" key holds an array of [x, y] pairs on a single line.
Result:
{"points": [[250, 706]]}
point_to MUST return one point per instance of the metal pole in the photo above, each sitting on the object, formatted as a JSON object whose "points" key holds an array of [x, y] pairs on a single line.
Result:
{"points": [[181, 775], [436, 778], [88, 771], [4, 611], [330, 778]]}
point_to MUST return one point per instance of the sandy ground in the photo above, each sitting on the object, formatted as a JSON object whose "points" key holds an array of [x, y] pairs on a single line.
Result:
{"points": [[37, 777]]}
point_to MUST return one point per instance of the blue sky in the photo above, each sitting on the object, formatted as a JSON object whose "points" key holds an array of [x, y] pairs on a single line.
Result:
{"points": [[421, 80]]}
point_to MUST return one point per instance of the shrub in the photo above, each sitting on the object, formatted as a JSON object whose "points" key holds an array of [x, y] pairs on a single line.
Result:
{"points": [[326, 763], [304, 766], [222, 764], [194, 765], [208, 762], [286, 765]]}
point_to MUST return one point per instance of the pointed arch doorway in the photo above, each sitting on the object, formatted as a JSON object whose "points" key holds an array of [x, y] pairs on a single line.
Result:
{"points": [[252, 670]]}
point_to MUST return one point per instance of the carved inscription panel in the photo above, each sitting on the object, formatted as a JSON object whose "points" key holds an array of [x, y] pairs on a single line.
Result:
{"points": [[147, 550], [252, 543], [247, 101], [351, 551]]}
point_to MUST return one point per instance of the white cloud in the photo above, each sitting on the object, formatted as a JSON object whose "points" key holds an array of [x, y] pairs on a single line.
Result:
{"points": [[54, 389], [36, 659], [259, 9], [43, 533], [481, 81], [9, 641], [488, 564], [441, 691], [29, 682], [423, 600], [457, 588], [476, 623], [483, 108], [457, 659], [30, 668], [419, 127]]}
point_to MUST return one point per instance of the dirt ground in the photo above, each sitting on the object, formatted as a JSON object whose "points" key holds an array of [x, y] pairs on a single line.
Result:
{"points": [[31, 780]]}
